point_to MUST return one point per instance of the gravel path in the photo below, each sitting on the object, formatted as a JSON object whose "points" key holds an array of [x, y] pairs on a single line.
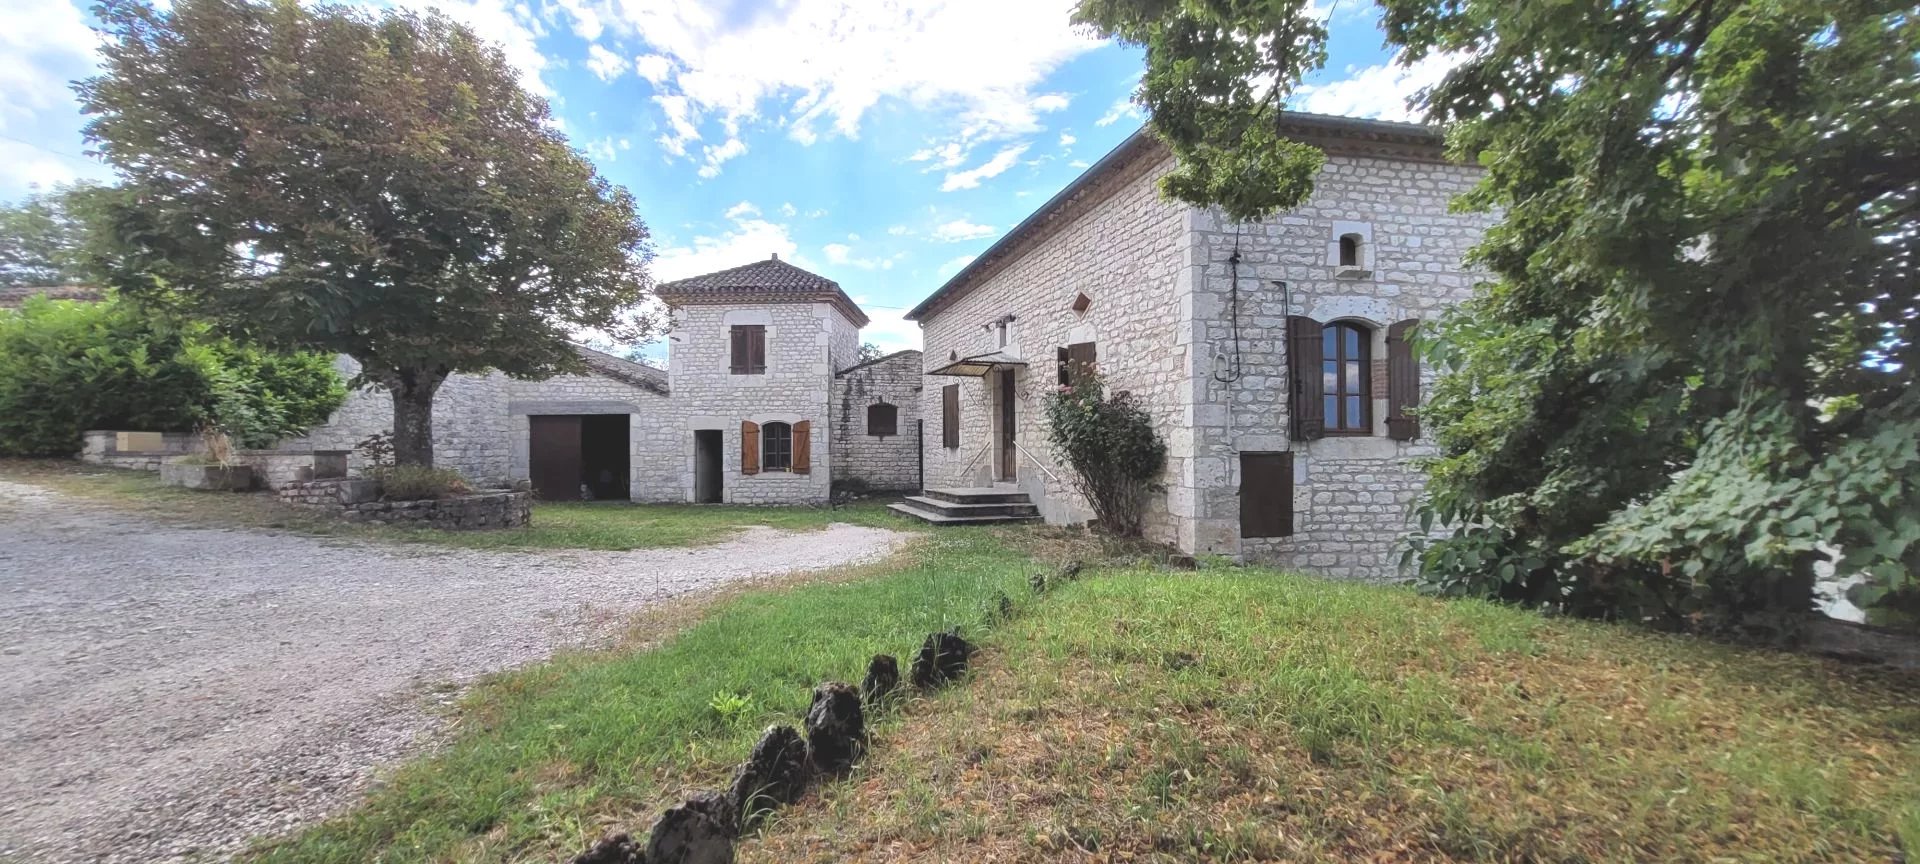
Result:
{"points": [[168, 693]]}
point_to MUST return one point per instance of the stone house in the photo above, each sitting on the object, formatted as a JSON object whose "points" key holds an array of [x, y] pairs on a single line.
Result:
{"points": [[762, 367], [1273, 357]]}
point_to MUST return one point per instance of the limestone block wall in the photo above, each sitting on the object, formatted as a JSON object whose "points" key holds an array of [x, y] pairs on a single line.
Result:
{"points": [[1122, 246], [592, 394], [1352, 494], [801, 340], [470, 424], [889, 463]]}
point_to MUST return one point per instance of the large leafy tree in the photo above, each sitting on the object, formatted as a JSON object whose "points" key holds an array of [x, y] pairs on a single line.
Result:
{"points": [[1691, 374], [44, 238], [373, 184], [1218, 76]]}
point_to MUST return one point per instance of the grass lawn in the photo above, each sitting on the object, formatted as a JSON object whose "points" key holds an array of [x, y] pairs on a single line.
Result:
{"points": [[1230, 714], [550, 757], [607, 526], [1252, 715]]}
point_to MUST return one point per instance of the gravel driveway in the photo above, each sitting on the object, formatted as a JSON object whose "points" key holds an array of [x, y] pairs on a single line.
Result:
{"points": [[168, 693]]}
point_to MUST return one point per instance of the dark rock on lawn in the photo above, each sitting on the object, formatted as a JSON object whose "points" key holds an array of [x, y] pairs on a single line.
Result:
{"points": [[836, 727], [941, 659], [883, 677], [775, 774], [614, 849], [700, 831], [1068, 571], [1182, 562], [1038, 582]]}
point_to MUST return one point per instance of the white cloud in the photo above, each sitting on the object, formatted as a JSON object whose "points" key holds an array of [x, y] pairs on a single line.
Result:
{"points": [[586, 21], [679, 117], [899, 230], [841, 253], [889, 328], [1379, 92], [816, 67], [1066, 140], [716, 156], [747, 241], [994, 167], [961, 229], [1122, 108], [605, 64], [953, 266], [1079, 163], [45, 44], [602, 150], [742, 209], [952, 154], [788, 210], [653, 67]]}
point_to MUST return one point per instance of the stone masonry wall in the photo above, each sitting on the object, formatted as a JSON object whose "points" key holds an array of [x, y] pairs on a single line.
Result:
{"points": [[1352, 494], [592, 394], [801, 340], [1123, 247], [889, 463], [470, 425]]}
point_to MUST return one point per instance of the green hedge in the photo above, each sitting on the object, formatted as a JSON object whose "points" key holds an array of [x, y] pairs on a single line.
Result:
{"points": [[67, 366]]}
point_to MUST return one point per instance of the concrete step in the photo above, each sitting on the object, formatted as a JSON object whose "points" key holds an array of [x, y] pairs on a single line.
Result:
{"points": [[932, 517], [985, 495], [949, 508]]}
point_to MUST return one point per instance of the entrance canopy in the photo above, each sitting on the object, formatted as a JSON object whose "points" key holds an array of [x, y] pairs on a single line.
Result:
{"points": [[979, 365]]}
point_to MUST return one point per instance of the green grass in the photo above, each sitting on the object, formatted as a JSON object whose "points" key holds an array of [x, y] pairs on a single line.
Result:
{"points": [[550, 757], [606, 526], [1253, 715]]}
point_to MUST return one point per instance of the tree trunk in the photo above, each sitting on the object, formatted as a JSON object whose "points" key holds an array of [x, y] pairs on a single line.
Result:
{"points": [[413, 391]]}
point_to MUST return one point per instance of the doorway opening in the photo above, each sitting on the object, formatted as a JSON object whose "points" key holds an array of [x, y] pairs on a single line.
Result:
{"points": [[1009, 455], [707, 474], [573, 457]]}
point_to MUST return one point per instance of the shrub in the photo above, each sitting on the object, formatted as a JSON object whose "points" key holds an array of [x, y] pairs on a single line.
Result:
{"points": [[418, 483], [1111, 450]]}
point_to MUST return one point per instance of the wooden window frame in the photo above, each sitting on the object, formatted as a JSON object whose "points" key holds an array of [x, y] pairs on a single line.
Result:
{"points": [[891, 415], [1336, 424], [776, 447], [747, 347]]}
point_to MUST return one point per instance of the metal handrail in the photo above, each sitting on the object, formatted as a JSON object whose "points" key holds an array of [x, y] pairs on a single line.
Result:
{"points": [[965, 469], [1037, 463]]}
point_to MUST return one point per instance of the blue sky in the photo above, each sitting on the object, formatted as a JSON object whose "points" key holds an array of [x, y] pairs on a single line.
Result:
{"points": [[881, 143]]}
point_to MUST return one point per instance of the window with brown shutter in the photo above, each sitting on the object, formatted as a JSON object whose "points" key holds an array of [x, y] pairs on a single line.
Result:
{"points": [[1306, 411], [749, 349], [776, 446], [802, 458], [1403, 382], [1346, 364], [883, 419], [1266, 495], [749, 447], [1081, 357], [950, 416]]}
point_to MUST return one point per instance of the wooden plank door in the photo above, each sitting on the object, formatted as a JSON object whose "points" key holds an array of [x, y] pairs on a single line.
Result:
{"points": [[553, 456]]}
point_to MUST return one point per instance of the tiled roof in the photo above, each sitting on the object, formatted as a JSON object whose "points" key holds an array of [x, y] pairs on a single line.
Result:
{"points": [[620, 369], [769, 279], [13, 298]]}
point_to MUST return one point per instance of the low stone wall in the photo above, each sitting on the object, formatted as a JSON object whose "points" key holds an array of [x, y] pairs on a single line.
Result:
{"points": [[358, 500], [140, 451]]}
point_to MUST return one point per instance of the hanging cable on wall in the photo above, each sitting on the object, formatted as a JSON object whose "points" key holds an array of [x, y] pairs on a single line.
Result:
{"points": [[1233, 371]]}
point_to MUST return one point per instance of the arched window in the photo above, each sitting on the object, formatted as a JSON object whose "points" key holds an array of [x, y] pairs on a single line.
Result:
{"points": [[1349, 250], [883, 419], [1345, 369], [776, 447]]}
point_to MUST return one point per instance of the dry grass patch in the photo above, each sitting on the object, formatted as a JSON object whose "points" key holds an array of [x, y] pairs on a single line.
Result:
{"points": [[1248, 715]]}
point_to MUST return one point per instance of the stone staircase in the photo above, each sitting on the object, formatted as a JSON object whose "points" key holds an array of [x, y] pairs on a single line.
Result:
{"points": [[985, 506]]}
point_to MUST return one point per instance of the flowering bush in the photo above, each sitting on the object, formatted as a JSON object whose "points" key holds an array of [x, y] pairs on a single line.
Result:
{"points": [[1111, 450]]}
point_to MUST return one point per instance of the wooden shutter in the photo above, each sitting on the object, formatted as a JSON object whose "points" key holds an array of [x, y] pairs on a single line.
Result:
{"points": [[1060, 357], [801, 461], [883, 419], [749, 447], [1403, 382], [1080, 361], [950, 416], [756, 350], [1306, 410], [738, 366], [1266, 495]]}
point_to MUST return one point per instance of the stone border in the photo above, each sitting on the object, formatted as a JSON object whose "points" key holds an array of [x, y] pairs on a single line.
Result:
{"points": [[357, 499]]}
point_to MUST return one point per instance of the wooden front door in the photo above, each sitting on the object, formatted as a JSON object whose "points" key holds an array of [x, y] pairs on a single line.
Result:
{"points": [[1009, 456], [553, 456]]}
